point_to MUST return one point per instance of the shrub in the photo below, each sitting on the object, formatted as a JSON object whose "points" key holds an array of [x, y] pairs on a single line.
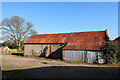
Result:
{"points": [[13, 51], [110, 52]]}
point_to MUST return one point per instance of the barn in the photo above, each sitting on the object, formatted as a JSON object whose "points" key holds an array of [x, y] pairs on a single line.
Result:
{"points": [[117, 43], [76, 47]]}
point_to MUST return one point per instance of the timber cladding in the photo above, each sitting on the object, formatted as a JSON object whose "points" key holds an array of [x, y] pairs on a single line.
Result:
{"points": [[44, 50]]}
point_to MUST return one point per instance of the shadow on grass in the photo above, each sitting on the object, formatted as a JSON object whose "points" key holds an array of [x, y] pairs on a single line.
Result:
{"points": [[64, 72], [17, 54]]}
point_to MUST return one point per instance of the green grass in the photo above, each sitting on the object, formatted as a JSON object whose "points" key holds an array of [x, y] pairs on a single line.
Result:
{"points": [[58, 60], [7, 54], [110, 65], [77, 62], [21, 51], [19, 54]]}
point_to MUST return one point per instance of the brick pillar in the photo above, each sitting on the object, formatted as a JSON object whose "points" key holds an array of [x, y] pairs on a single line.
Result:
{"points": [[48, 50], [24, 49], [63, 55]]}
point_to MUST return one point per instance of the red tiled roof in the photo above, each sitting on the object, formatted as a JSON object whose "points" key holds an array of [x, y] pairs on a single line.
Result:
{"points": [[93, 40], [2, 47]]}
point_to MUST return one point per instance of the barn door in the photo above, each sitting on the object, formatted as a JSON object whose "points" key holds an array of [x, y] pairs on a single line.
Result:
{"points": [[91, 56], [74, 55]]}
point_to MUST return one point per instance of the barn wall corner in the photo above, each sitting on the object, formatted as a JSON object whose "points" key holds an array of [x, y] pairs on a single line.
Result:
{"points": [[63, 54]]}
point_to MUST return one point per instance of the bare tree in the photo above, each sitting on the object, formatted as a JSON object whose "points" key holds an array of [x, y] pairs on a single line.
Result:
{"points": [[17, 29], [0, 34]]}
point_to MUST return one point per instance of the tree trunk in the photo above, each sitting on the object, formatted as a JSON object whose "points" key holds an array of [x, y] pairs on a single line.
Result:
{"points": [[19, 47]]}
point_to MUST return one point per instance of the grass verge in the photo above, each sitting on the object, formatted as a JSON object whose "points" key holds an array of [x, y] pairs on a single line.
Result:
{"points": [[20, 53]]}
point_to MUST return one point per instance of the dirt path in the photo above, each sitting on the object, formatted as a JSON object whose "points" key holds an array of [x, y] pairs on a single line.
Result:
{"points": [[12, 62], [43, 68]]}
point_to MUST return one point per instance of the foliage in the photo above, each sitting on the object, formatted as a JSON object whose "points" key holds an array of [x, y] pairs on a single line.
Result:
{"points": [[17, 53], [110, 52], [107, 38], [13, 51], [17, 30], [117, 43], [10, 44]]}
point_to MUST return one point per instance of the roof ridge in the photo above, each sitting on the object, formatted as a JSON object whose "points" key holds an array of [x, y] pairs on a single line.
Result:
{"points": [[69, 33]]}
